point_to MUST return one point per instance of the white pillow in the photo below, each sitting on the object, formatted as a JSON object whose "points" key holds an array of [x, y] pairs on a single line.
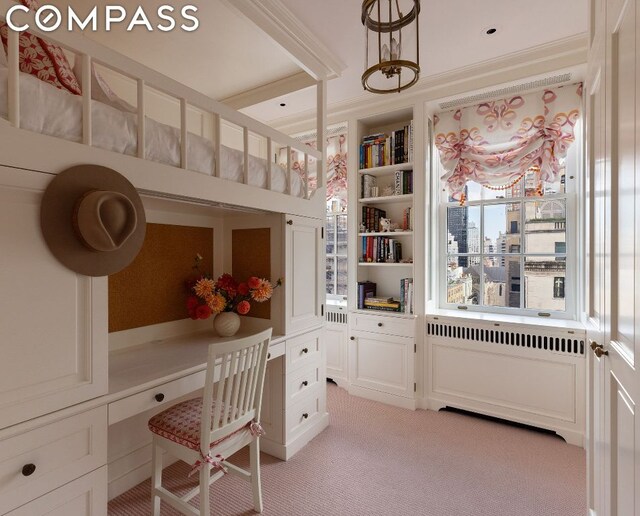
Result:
{"points": [[100, 90]]}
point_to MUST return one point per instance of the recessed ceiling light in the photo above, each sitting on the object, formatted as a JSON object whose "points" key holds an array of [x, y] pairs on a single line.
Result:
{"points": [[282, 104], [492, 30]]}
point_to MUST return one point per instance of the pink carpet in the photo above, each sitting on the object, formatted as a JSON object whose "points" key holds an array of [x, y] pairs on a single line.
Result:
{"points": [[381, 460]]}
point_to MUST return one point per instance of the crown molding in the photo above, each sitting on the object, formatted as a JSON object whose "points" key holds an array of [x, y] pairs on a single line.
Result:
{"points": [[295, 38], [542, 59], [270, 91]]}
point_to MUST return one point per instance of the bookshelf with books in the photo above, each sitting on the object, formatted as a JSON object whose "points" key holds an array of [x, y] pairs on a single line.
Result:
{"points": [[385, 208], [382, 300]]}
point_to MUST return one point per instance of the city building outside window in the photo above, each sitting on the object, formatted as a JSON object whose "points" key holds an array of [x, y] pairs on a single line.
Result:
{"points": [[506, 250]]}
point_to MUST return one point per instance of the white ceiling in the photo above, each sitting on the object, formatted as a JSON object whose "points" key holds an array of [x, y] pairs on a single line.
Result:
{"points": [[227, 55], [452, 35]]}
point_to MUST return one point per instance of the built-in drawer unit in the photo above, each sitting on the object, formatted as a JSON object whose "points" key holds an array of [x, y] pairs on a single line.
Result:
{"points": [[37, 461], [304, 350], [86, 496], [303, 381], [301, 414], [388, 325], [155, 397]]}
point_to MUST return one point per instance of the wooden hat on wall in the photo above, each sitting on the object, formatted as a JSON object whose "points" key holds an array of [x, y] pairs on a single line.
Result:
{"points": [[93, 220]]}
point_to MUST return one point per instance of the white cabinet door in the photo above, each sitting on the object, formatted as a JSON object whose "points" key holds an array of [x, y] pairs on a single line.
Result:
{"points": [[336, 342], [304, 278], [53, 322], [382, 362]]}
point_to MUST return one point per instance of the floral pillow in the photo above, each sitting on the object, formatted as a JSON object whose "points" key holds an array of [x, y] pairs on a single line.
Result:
{"points": [[43, 59]]}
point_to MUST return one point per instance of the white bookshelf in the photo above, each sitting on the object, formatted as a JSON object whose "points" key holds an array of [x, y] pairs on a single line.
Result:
{"points": [[388, 199]]}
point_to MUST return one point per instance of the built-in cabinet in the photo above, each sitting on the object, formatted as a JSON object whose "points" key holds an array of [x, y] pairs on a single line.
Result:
{"points": [[336, 333], [75, 400], [382, 344]]}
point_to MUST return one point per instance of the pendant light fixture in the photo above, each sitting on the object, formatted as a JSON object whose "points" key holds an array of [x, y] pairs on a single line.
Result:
{"points": [[392, 64]]}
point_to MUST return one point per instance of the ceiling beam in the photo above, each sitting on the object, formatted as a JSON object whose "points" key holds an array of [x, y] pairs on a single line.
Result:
{"points": [[274, 89], [295, 38]]}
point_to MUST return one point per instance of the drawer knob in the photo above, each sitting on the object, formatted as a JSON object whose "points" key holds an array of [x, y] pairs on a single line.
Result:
{"points": [[305, 350], [379, 325], [159, 397], [290, 222], [28, 469], [305, 383], [352, 338], [305, 416], [268, 356]]}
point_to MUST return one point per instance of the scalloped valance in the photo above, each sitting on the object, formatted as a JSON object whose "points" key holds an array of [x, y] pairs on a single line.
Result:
{"points": [[495, 143]]}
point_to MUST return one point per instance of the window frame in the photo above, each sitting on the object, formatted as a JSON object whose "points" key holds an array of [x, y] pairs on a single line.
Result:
{"points": [[338, 299], [572, 167]]}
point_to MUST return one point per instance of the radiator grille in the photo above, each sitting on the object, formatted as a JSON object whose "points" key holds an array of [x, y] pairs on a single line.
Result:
{"points": [[506, 337], [337, 317]]}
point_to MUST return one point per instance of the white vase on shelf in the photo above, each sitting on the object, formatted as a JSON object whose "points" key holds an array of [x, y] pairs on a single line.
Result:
{"points": [[226, 324]]}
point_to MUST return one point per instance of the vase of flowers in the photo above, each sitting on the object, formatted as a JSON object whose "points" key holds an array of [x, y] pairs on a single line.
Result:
{"points": [[227, 299]]}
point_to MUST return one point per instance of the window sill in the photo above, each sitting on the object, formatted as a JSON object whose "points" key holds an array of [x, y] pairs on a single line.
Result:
{"points": [[565, 324]]}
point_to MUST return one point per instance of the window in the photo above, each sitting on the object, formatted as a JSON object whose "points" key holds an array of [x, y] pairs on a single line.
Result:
{"points": [[521, 266], [336, 239]]}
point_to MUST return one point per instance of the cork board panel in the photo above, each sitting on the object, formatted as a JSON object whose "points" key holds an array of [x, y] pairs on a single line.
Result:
{"points": [[151, 289], [251, 256]]}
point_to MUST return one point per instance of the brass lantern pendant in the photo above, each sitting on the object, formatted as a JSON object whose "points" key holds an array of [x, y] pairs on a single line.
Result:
{"points": [[384, 23]]}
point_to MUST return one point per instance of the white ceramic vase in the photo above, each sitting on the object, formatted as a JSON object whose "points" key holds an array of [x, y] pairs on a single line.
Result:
{"points": [[227, 324]]}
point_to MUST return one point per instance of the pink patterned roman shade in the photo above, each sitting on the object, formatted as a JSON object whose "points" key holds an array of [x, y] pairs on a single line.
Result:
{"points": [[495, 143]]}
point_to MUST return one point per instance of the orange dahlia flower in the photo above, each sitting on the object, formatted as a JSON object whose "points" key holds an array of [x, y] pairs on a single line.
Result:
{"points": [[263, 291], [217, 303]]}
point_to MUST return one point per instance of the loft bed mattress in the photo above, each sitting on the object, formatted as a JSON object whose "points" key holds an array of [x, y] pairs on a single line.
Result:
{"points": [[47, 110]]}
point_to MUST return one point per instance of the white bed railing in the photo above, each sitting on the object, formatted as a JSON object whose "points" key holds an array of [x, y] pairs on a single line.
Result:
{"points": [[92, 52]]}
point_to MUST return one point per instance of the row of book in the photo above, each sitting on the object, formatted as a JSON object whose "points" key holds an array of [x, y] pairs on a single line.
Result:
{"points": [[368, 299], [381, 250], [371, 218], [380, 149], [407, 219], [403, 182], [368, 184], [406, 295]]}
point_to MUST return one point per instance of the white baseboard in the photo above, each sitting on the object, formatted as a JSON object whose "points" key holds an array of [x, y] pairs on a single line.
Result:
{"points": [[383, 397], [340, 382], [571, 436], [132, 477]]}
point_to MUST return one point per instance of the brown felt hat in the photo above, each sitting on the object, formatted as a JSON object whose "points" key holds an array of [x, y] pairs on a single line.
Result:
{"points": [[93, 220]]}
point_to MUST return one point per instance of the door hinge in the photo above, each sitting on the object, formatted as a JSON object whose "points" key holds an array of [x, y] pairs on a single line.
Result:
{"points": [[322, 232], [415, 387], [322, 310], [415, 348]]}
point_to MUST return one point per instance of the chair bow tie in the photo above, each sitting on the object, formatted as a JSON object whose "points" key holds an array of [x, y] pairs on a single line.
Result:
{"points": [[216, 463]]}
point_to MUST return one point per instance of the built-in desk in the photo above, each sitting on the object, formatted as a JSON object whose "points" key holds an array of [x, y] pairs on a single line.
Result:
{"points": [[149, 377], [155, 373]]}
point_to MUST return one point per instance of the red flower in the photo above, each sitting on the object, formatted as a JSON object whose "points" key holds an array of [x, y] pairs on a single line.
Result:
{"points": [[244, 307], [243, 289], [192, 303], [228, 284], [254, 282], [203, 311]]}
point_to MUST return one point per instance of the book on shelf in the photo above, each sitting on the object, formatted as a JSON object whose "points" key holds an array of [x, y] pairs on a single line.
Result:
{"points": [[391, 306], [403, 182], [407, 219], [381, 249], [366, 289], [371, 219], [367, 182], [406, 295], [381, 149]]}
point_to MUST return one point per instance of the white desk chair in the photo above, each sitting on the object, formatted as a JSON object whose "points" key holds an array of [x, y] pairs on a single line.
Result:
{"points": [[204, 431]]}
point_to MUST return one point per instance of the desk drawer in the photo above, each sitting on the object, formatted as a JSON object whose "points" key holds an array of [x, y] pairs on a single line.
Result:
{"points": [[41, 460], [86, 496], [300, 415], [146, 400], [302, 382], [277, 350], [304, 350], [385, 325]]}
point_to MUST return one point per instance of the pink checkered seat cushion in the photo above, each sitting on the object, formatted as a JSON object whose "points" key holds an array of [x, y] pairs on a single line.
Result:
{"points": [[181, 424]]}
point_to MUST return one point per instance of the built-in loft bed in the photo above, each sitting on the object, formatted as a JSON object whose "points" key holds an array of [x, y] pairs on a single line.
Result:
{"points": [[45, 129]]}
